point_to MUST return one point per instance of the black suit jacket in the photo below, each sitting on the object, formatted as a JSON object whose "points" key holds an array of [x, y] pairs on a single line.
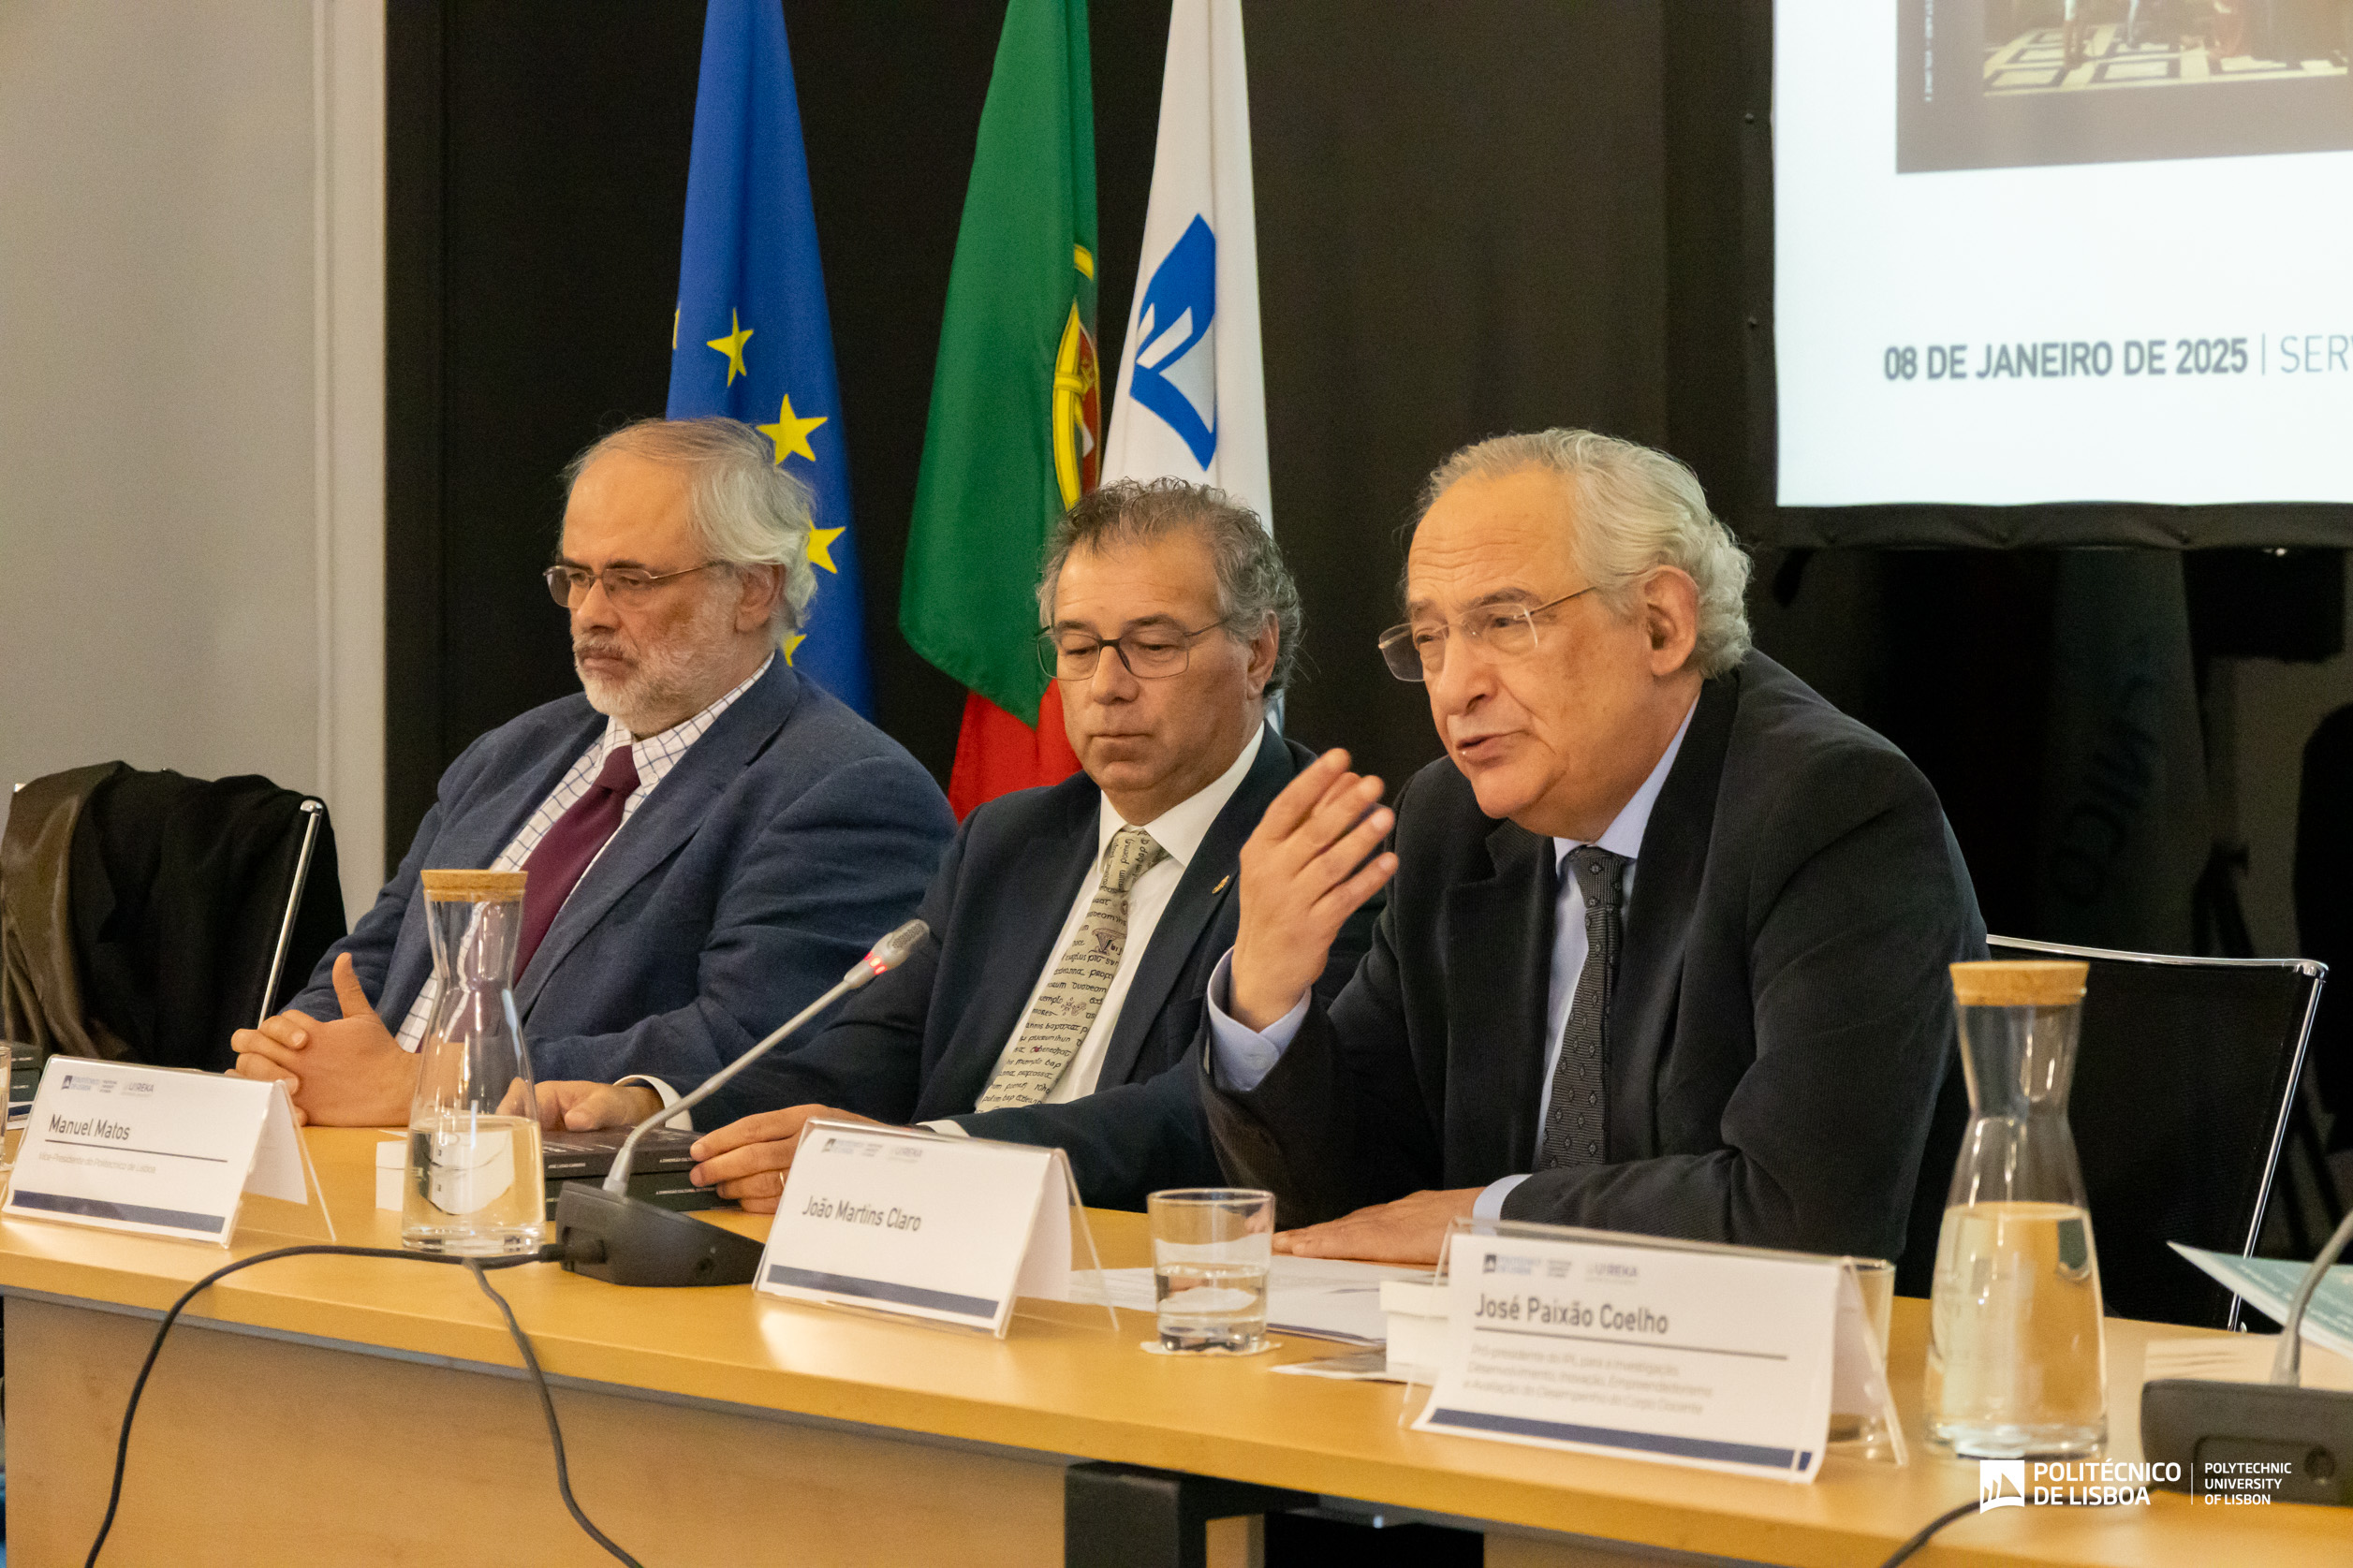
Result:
{"points": [[1779, 1034], [921, 1042]]}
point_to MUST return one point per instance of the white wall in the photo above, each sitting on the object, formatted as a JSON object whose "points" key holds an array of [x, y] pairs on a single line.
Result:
{"points": [[191, 403]]}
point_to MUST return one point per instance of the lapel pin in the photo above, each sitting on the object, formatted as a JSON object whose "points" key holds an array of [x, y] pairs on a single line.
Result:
{"points": [[1221, 883]]}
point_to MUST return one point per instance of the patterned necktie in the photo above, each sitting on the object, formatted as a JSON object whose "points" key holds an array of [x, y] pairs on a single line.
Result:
{"points": [[1573, 1119], [559, 859], [1065, 1009]]}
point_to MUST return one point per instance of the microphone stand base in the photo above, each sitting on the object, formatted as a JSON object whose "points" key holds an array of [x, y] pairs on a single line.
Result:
{"points": [[628, 1241], [2254, 1441]]}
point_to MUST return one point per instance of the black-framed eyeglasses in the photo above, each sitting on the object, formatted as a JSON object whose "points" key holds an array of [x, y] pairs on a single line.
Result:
{"points": [[1417, 649], [623, 585], [1153, 653]]}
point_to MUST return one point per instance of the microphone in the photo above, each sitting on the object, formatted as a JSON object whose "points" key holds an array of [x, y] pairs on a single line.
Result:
{"points": [[887, 954], [2299, 1437], [608, 1235]]}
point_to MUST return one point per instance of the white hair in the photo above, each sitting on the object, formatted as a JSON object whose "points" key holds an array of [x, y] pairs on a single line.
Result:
{"points": [[1636, 510], [744, 509]]}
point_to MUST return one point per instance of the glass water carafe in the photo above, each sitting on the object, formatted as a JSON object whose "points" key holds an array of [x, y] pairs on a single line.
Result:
{"points": [[475, 1181], [2017, 1365]]}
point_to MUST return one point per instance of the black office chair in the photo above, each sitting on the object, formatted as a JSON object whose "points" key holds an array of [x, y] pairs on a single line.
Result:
{"points": [[144, 917], [2184, 1079], [2324, 924]]}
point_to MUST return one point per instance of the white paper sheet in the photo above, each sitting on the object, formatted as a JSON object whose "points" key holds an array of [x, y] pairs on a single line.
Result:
{"points": [[1330, 1299], [2270, 1283]]}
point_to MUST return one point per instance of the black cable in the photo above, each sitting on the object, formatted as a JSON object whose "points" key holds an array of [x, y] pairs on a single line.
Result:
{"points": [[1917, 1542], [551, 1252], [1960, 1511], [547, 1407]]}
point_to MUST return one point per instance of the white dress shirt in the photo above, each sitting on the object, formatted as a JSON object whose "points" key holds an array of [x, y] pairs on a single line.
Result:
{"points": [[1244, 1056], [653, 757], [1180, 830]]}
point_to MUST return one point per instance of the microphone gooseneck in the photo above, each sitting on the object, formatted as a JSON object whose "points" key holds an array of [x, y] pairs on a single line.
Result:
{"points": [[886, 956], [2287, 1361]]}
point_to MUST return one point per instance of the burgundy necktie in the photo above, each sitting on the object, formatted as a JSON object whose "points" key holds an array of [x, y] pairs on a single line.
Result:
{"points": [[556, 864]]}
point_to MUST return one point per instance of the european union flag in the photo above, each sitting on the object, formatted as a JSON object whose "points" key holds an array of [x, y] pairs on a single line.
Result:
{"points": [[751, 338]]}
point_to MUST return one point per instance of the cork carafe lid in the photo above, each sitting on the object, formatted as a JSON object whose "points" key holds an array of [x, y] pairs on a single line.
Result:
{"points": [[471, 886], [2019, 983]]}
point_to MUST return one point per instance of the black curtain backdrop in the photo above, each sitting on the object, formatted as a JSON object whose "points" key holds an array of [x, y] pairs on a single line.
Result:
{"points": [[1461, 231]]}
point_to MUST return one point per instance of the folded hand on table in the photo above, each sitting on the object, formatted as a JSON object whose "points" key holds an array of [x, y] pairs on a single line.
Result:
{"points": [[747, 1160], [346, 1072], [1411, 1230]]}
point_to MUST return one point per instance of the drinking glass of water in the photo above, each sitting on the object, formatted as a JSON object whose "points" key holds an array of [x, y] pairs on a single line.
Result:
{"points": [[1210, 1251]]}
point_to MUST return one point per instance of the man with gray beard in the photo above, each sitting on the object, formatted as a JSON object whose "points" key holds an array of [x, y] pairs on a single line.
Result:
{"points": [[710, 839]]}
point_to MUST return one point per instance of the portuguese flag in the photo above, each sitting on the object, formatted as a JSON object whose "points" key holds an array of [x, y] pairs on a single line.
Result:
{"points": [[1016, 421]]}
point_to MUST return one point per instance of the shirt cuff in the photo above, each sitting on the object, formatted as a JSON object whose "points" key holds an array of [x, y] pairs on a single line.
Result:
{"points": [[952, 1129], [684, 1123], [1491, 1201], [1243, 1055]]}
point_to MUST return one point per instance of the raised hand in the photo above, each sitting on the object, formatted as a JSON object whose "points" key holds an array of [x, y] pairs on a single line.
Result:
{"points": [[1307, 868]]}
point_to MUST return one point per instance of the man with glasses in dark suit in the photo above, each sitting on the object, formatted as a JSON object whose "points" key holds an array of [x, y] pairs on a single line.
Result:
{"points": [[709, 840], [1073, 927], [1665, 947]]}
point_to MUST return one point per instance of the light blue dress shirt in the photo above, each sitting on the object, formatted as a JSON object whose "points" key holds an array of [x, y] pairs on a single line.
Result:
{"points": [[1243, 1055]]}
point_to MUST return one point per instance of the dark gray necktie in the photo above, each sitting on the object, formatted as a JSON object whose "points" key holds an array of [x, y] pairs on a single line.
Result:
{"points": [[1573, 1119]]}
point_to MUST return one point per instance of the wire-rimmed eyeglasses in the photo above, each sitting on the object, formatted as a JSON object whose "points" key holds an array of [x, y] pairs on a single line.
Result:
{"points": [[623, 585], [1417, 649], [1149, 654]]}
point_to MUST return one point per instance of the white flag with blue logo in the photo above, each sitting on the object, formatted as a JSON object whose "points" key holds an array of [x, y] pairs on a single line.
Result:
{"points": [[1191, 395]]}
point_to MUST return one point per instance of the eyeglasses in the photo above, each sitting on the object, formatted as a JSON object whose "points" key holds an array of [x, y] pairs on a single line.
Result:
{"points": [[1417, 651], [1153, 653], [623, 585]]}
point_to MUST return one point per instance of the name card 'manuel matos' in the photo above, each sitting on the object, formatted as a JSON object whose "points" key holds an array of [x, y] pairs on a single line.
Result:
{"points": [[899, 1220], [156, 1151]]}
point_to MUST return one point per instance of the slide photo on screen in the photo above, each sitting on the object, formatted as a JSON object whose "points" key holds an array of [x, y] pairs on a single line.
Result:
{"points": [[2035, 326], [2007, 83]]}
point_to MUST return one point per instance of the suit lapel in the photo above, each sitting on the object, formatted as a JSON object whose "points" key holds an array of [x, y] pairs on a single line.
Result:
{"points": [[473, 837], [1207, 885], [1023, 916], [1673, 860], [678, 806], [1498, 928]]}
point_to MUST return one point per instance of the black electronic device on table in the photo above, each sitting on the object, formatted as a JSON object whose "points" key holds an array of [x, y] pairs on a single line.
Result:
{"points": [[658, 1174], [2298, 1440], [24, 1077]]}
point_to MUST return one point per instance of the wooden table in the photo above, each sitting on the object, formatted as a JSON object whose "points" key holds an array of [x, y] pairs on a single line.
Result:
{"points": [[363, 1411]]}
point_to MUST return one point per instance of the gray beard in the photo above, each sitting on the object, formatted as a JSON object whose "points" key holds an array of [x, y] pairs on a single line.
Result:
{"points": [[669, 677]]}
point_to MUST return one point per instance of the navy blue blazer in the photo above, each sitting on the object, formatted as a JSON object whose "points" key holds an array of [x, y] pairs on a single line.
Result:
{"points": [[790, 836], [921, 1042]]}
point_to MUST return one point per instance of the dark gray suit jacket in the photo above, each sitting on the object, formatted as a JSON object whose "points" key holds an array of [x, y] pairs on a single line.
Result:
{"points": [[1780, 1033], [790, 836], [921, 1042]]}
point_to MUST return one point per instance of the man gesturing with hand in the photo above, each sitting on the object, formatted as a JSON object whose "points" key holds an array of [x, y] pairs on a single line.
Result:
{"points": [[1664, 947]]}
